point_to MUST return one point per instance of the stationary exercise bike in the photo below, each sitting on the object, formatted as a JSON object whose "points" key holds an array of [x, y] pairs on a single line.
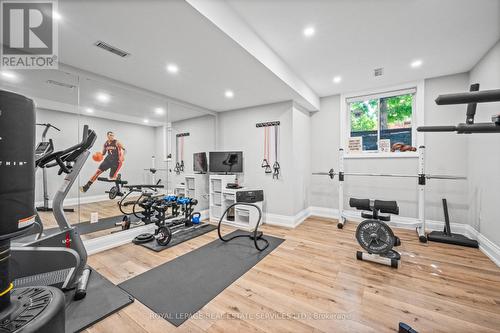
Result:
{"points": [[44, 148], [374, 235], [59, 259]]}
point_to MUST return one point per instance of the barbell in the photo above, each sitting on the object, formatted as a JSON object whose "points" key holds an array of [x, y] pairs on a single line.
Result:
{"points": [[331, 173]]}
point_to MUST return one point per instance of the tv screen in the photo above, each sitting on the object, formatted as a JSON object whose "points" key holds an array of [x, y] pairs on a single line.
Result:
{"points": [[200, 162], [226, 161]]}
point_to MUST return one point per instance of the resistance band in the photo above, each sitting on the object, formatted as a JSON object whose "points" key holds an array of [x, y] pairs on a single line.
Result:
{"points": [[182, 154], [276, 165], [265, 161], [179, 154]]}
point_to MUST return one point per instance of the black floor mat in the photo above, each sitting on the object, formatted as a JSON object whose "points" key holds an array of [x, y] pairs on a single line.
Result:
{"points": [[177, 239], [179, 288], [103, 299]]}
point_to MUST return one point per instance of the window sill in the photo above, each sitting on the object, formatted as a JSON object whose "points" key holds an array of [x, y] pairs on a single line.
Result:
{"points": [[412, 154]]}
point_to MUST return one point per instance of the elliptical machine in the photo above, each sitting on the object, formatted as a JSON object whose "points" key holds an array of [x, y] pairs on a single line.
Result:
{"points": [[374, 235], [59, 259], [34, 308], [44, 148]]}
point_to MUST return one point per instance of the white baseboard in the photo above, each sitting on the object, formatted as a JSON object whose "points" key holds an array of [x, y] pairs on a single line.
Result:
{"points": [[286, 221], [490, 249], [79, 201]]}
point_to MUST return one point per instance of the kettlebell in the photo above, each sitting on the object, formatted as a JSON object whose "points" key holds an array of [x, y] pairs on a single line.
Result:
{"points": [[195, 218]]}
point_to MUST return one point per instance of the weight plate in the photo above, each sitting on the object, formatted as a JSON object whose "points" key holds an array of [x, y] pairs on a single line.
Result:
{"points": [[113, 192], [125, 223], [143, 238], [163, 236], [375, 236]]}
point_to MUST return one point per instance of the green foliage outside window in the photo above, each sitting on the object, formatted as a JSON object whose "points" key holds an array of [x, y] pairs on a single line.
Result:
{"points": [[364, 116], [395, 112]]}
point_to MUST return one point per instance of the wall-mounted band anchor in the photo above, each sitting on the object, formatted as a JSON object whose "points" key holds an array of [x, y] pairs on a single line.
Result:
{"points": [[267, 124]]}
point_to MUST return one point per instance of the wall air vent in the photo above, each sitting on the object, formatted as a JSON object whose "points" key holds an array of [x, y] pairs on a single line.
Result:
{"points": [[112, 49], [378, 71], [61, 84]]}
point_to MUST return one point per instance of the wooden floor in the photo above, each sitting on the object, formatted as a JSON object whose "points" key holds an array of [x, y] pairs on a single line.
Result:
{"points": [[314, 274]]}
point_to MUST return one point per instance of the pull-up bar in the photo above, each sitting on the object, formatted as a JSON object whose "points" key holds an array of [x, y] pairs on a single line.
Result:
{"points": [[483, 96], [470, 98], [421, 177]]}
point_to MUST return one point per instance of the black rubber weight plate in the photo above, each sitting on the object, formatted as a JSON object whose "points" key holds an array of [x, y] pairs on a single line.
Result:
{"points": [[375, 236]]}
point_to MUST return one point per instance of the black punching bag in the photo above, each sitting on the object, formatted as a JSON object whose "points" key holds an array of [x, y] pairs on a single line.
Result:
{"points": [[29, 309], [17, 176], [17, 162]]}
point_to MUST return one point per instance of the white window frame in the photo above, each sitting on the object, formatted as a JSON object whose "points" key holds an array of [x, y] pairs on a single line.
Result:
{"points": [[417, 119]]}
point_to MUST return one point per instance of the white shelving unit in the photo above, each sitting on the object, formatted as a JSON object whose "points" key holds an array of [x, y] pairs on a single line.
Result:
{"points": [[180, 190], [196, 187], [217, 184], [221, 197]]}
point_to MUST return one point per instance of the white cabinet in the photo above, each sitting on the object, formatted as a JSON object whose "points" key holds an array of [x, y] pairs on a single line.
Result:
{"points": [[195, 186], [221, 197]]}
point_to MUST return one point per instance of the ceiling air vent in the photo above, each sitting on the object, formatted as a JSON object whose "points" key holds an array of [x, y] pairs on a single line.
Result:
{"points": [[112, 49], [61, 84], [378, 71]]}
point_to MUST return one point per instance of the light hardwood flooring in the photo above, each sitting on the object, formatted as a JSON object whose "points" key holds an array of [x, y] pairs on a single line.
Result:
{"points": [[438, 287]]}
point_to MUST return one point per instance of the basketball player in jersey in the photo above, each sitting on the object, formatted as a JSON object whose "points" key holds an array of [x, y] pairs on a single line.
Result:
{"points": [[113, 151]]}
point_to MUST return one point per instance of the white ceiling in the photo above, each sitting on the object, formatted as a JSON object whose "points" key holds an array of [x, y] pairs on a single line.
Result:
{"points": [[160, 32], [125, 104], [355, 37], [257, 49]]}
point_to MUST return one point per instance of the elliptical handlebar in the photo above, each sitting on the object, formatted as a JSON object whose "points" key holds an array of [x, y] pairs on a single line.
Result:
{"points": [[62, 158], [48, 125]]}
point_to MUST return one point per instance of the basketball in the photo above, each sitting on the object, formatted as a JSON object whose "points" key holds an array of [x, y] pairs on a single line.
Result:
{"points": [[97, 156]]}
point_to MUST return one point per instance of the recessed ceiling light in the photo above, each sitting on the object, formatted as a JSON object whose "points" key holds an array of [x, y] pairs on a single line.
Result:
{"points": [[8, 75], [229, 94], [416, 63], [145, 121], [160, 111], [102, 97], [172, 68], [89, 110], [337, 79], [56, 16], [309, 31]]}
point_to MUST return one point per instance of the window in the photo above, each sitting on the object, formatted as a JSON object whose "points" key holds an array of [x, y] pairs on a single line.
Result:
{"points": [[377, 122]]}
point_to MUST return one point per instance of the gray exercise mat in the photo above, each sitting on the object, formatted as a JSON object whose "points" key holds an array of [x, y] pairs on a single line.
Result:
{"points": [[177, 239], [179, 288], [103, 299]]}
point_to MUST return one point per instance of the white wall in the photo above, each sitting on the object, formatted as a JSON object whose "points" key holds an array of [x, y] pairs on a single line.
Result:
{"points": [[138, 140], [201, 139], [301, 122], [484, 153], [444, 155], [236, 131]]}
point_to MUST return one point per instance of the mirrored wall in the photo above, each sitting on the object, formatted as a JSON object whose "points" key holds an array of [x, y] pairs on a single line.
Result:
{"points": [[147, 145]]}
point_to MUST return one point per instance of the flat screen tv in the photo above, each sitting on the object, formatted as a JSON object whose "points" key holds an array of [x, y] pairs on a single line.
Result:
{"points": [[200, 162], [226, 161]]}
